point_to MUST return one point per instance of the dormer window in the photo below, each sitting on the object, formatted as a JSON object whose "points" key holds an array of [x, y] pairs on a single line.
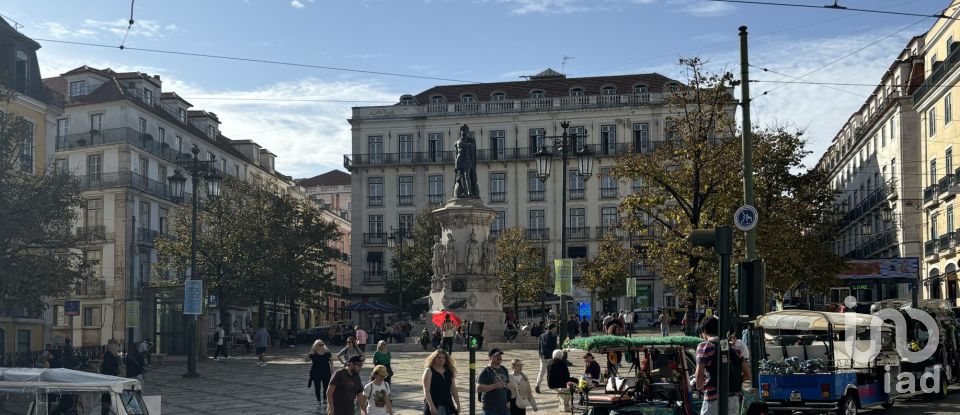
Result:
{"points": [[437, 99], [537, 94], [498, 96], [148, 95], [23, 68], [673, 87], [639, 89], [608, 90], [407, 100], [576, 92], [211, 131], [78, 88], [182, 115], [468, 98]]}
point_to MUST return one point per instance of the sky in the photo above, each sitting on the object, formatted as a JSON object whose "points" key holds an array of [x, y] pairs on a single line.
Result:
{"points": [[463, 40]]}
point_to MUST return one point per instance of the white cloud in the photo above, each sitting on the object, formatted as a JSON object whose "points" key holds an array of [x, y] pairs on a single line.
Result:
{"points": [[296, 4], [702, 8], [141, 28]]}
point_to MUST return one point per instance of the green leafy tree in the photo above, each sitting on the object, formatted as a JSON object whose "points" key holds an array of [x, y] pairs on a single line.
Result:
{"points": [[411, 275], [39, 250], [520, 269], [606, 274]]}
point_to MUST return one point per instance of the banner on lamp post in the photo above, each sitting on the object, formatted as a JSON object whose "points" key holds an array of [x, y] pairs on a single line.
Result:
{"points": [[631, 287], [563, 276]]}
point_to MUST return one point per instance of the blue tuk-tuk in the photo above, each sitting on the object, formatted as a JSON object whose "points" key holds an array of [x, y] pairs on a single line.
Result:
{"points": [[810, 365]]}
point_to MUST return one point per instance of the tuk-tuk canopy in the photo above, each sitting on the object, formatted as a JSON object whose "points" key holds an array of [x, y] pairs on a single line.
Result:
{"points": [[14, 380], [599, 343], [814, 320]]}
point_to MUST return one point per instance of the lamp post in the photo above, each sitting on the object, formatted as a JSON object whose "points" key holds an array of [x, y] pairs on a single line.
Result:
{"points": [[397, 239], [563, 145], [196, 169]]}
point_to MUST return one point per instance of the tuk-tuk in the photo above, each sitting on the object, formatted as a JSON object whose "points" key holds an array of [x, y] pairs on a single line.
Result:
{"points": [[64, 391], [657, 381], [809, 365]]}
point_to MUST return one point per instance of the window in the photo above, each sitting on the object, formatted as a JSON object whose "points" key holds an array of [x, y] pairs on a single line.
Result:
{"points": [[537, 139], [436, 147], [143, 125], [883, 136], [406, 190], [375, 148], [637, 185], [211, 156], [498, 145], [236, 170], [933, 172], [211, 131], [498, 96], [608, 217], [537, 94], [948, 108], [375, 191], [608, 90], [162, 226], [579, 134], [182, 115], [608, 139], [435, 184], [498, 187], [144, 171], [223, 166], [148, 95], [94, 166], [578, 218], [576, 92], [933, 226], [407, 100], [576, 185], [932, 122], [673, 87], [948, 161], [22, 74], [96, 122], [437, 99], [535, 187], [608, 185], [499, 222], [405, 220], [23, 341], [641, 137], [949, 219], [639, 89], [179, 144], [375, 224], [63, 127], [162, 135], [62, 164], [537, 219], [893, 129], [406, 148], [26, 148], [468, 98], [91, 316], [78, 88]]}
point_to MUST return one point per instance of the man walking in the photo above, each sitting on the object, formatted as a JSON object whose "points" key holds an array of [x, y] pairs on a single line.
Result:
{"points": [[585, 327], [449, 331], [573, 327], [345, 387], [218, 340], [664, 324], [361, 338], [628, 322], [492, 383], [546, 344], [261, 339], [708, 369]]}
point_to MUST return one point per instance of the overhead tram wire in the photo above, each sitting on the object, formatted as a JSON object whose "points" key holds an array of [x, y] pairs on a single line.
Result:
{"points": [[255, 60], [796, 78], [835, 6], [129, 25]]}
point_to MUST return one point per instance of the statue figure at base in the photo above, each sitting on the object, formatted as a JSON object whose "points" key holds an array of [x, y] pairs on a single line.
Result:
{"points": [[450, 256], [437, 259], [473, 255]]}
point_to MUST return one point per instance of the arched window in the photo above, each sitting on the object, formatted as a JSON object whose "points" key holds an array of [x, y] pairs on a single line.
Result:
{"points": [[576, 92], [537, 94], [407, 100], [608, 90], [468, 98], [639, 89], [437, 99]]}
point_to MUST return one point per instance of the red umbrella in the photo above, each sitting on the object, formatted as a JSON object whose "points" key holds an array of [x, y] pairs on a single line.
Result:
{"points": [[440, 316]]}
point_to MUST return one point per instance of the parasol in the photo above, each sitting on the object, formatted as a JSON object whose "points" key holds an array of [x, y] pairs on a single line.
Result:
{"points": [[440, 316]]}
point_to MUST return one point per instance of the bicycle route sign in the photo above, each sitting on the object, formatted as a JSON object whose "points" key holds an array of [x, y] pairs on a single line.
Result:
{"points": [[746, 218]]}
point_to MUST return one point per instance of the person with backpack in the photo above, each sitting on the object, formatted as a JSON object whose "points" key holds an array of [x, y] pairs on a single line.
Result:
{"points": [[546, 344], [218, 335], [708, 369], [378, 392], [493, 385]]}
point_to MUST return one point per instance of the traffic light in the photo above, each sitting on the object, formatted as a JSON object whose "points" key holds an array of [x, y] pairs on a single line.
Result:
{"points": [[751, 276], [720, 239], [474, 335]]}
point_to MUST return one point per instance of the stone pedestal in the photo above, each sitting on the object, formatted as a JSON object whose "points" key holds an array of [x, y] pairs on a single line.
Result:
{"points": [[464, 279]]}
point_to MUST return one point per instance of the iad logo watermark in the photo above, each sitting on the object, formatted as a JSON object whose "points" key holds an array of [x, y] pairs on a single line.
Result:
{"points": [[906, 382]]}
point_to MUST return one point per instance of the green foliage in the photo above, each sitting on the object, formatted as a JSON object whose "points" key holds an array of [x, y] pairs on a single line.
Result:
{"points": [[39, 250], [605, 275], [522, 273], [411, 277]]}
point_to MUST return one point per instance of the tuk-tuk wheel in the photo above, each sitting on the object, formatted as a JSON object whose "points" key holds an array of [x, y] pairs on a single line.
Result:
{"points": [[944, 384], [888, 404], [848, 405]]}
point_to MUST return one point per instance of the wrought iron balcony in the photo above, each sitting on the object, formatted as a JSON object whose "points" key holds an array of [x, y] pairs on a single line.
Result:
{"points": [[376, 277], [146, 235], [608, 193], [538, 234], [375, 200], [375, 239], [930, 194], [94, 233], [92, 287], [405, 200], [435, 199], [576, 194], [127, 178], [35, 90], [536, 195], [603, 231], [930, 247], [578, 232], [125, 135], [497, 197]]}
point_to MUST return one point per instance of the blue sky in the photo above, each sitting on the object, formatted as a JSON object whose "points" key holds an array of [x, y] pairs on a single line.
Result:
{"points": [[470, 40]]}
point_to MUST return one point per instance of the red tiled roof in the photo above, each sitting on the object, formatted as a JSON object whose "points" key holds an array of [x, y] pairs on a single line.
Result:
{"points": [[551, 86], [330, 178]]}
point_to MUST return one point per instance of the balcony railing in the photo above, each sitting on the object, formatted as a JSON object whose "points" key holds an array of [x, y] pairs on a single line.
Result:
{"points": [[93, 287], [35, 90], [405, 200], [603, 231], [374, 277], [496, 197], [576, 194], [944, 183], [936, 75], [608, 192], [375, 200], [947, 241], [146, 142], [642, 269], [373, 239], [930, 247], [929, 194], [536, 195], [872, 201], [146, 235], [127, 178], [508, 106], [435, 199], [579, 232], [95, 233], [540, 234]]}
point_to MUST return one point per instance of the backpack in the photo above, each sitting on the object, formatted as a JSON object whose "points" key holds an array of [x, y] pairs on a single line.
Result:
{"points": [[216, 336], [480, 395], [735, 372]]}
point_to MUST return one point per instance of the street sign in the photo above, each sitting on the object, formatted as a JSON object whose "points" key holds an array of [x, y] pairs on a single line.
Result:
{"points": [[193, 297], [133, 314], [71, 308], [746, 218], [212, 300]]}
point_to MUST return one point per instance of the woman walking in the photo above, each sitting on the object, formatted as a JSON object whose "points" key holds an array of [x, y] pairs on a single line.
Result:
{"points": [[521, 395], [439, 385], [382, 357], [320, 369], [350, 350], [378, 392]]}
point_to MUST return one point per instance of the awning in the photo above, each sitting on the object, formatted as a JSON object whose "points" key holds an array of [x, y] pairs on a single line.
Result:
{"points": [[381, 307], [813, 320]]}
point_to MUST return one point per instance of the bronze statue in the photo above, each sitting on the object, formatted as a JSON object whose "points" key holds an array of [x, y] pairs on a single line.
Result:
{"points": [[465, 184]]}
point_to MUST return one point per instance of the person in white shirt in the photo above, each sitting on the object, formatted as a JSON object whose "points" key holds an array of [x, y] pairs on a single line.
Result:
{"points": [[628, 322], [218, 339], [378, 392]]}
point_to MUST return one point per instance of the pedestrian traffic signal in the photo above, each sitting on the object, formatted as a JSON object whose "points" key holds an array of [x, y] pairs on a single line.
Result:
{"points": [[720, 239], [751, 276], [474, 335], [474, 342]]}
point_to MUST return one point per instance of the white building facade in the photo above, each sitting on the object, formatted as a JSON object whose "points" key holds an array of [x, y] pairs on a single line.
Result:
{"points": [[402, 163]]}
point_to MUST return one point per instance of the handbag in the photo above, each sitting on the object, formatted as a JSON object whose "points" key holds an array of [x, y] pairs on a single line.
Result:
{"points": [[522, 402]]}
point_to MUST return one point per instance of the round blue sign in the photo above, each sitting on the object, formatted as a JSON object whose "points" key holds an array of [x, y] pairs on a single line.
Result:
{"points": [[745, 218]]}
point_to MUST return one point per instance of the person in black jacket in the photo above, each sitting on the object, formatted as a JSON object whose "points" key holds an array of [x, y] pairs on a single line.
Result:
{"points": [[320, 369], [546, 345], [558, 374], [135, 365], [111, 361]]}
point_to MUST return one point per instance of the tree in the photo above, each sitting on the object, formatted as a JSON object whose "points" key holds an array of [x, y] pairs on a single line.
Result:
{"points": [[39, 250], [605, 276], [520, 269], [693, 181], [411, 275]]}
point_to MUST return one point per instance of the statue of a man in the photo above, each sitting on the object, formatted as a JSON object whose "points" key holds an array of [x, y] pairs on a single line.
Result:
{"points": [[490, 255], [450, 255], [465, 169], [473, 255], [437, 256]]}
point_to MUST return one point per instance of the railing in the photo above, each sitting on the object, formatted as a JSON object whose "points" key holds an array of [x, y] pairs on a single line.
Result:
{"points": [[603, 231], [36, 90], [374, 200], [541, 234], [576, 194], [16, 311], [870, 202], [146, 235], [371, 239], [609, 193], [642, 270], [936, 75], [496, 197], [82, 355], [95, 233], [374, 277], [405, 200], [929, 193], [127, 178], [871, 246], [94, 287], [435, 199], [947, 241], [125, 135], [508, 106], [944, 183], [536, 195], [930, 247], [580, 232]]}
